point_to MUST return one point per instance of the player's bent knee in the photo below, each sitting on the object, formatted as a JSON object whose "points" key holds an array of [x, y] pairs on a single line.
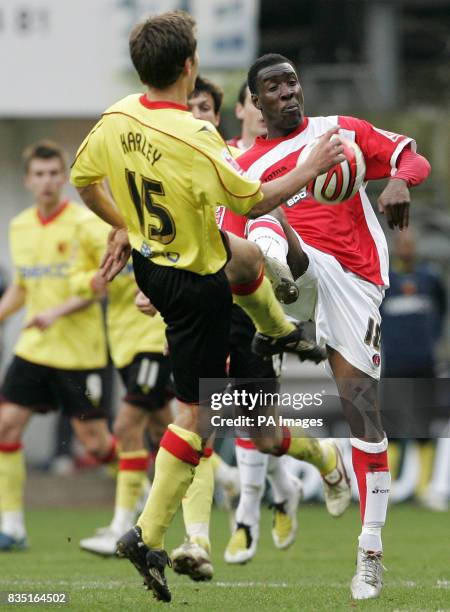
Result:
{"points": [[11, 425], [246, 262]]}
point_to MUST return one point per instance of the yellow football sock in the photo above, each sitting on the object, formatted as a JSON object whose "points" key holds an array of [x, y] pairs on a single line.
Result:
{"points": [[197, 504], [12, 480], [131, 478], [426, 454], [394, 456], [172, 479], [265, 310], [319, 453]]}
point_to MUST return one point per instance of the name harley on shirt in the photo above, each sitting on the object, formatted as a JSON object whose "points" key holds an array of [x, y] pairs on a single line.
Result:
{"points": [[136, 141]]}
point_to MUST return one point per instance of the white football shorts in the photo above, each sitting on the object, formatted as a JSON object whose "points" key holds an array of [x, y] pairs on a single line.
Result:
{"points": [[345, 308]]}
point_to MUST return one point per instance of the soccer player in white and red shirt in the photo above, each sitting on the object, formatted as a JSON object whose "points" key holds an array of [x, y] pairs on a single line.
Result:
{"points": [[340, 257]]}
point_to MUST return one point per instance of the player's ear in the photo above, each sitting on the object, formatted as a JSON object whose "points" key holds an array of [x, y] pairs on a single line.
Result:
{"points": [[191, 65], [239, 111], [188, 66], [255, 101]]}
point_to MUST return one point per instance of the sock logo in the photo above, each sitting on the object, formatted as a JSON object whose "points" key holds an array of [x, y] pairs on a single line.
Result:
{"points": [[377, 490]]}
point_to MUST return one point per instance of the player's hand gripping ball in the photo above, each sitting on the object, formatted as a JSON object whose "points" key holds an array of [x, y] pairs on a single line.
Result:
{"points": [[343, 180]]}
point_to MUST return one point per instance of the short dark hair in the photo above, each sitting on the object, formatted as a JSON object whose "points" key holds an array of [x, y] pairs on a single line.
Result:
{"points": [[160, 45], [269, 59], [242, 93], [44, 149], [207, 86]]}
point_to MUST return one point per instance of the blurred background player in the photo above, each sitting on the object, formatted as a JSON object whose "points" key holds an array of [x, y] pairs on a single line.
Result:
{"points": [[415, 307], [60, 356], [342, 249], [252, 122], [137, 345], [205, 101], [179, 254]]}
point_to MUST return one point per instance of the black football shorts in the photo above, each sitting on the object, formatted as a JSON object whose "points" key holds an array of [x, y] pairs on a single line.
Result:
{"points": [[197, 313], [147, 381], [78, 393]]}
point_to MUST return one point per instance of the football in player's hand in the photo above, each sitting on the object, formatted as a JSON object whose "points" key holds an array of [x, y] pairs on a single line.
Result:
{"points": [[343, 180]]}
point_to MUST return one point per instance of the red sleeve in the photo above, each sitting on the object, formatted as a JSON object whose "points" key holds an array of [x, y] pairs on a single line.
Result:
{"points": [[380, 148], [412, 167]]}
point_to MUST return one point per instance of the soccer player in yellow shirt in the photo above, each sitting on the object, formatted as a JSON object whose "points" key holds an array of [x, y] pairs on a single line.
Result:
{"points": [[168, 172], [60, 356]]}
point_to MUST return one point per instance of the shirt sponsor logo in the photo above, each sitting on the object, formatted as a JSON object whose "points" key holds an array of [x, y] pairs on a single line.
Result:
{"points": [[298, 197], [232, 162], [59, 270], [377, 490]]}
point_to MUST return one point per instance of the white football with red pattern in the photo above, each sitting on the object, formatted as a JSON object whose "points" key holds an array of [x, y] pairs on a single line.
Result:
{"points": [[343, 180]]}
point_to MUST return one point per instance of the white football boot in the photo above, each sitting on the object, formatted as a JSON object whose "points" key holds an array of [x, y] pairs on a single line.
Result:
{"points": [[192, 560], [285, 524], [243, 544], [104, 542], [368, 580], [336, 485]]}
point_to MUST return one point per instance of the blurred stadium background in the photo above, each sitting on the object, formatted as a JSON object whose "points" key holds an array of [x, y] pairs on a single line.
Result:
{"points": [[65, 61]]}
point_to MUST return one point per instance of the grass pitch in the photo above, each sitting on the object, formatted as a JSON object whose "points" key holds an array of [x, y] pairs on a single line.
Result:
{"points": [[313, 575]]}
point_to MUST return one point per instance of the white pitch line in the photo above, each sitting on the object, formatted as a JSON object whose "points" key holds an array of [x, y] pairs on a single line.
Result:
{"points": [[114, 584]]}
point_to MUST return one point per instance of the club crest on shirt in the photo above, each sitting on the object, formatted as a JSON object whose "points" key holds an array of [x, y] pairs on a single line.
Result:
{"points": [[61, 247], [376, 360], [232, 162]]}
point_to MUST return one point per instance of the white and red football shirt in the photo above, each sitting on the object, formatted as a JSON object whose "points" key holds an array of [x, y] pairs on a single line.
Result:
{"points": [[350, 230]]}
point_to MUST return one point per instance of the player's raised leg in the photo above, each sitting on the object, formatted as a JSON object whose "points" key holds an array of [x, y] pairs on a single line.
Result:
{"points": [[268, 234], [253, 292]]}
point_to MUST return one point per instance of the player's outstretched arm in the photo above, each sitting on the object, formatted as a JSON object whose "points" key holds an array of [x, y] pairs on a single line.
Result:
{"points": [[12, 300], [323, 156]]}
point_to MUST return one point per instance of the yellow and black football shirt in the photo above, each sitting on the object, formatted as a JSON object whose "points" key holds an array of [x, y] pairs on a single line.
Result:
{"points": [[168, 172], [129, 331], [42, 252]]}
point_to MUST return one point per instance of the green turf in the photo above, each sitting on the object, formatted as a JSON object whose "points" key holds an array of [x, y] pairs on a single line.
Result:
{"points": [[312, 575]]}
